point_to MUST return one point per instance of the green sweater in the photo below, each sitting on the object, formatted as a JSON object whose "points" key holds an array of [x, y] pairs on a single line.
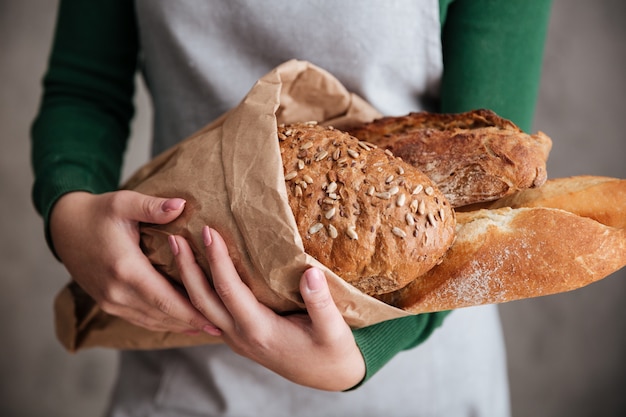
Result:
{"points": [[492, 53]]}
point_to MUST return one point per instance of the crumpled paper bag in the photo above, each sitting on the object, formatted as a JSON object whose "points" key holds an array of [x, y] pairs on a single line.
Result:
{"points": [[231, 175]]}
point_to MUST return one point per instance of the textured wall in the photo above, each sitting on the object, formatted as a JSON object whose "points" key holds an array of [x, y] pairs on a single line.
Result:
{"points": [[566, 352]]}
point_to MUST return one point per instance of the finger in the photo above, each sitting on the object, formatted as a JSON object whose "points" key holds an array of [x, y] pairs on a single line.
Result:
{"points": [[234, 294], [325, 317], [144, 316], [176, 309], [202, 296], [147, 209], [153, 296]]}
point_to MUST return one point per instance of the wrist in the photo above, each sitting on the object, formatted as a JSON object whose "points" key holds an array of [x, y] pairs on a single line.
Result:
{"points": [[63, 212]]}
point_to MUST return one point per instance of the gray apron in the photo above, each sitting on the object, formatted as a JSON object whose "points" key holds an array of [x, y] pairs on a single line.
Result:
{"points": [[199, 59]]}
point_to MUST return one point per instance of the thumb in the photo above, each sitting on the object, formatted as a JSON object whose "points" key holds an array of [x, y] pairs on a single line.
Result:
{"points": [[148, 209], [318, 300]]}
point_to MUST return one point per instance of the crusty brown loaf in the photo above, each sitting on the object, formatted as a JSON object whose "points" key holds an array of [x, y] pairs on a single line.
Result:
{"points": [[471, 157], [508, 254], [600, 198], [374, 220]]}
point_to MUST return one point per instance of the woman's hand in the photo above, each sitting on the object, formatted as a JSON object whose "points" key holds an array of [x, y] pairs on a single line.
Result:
{"points": [[97, 239], [315, 349]]}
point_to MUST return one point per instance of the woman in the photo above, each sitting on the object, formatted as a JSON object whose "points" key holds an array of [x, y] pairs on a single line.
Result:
{"points": [[199, 59]]}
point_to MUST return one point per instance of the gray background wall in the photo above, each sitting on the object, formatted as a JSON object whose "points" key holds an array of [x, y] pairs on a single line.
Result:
{"points": [[567, 353]]}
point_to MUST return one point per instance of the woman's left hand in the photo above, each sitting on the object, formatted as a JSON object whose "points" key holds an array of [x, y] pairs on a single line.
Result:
{"points": [[315, 349]]}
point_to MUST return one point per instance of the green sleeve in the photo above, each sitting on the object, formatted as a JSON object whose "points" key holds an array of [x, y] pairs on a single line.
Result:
{"points": [[492, 54], [80, 132]]}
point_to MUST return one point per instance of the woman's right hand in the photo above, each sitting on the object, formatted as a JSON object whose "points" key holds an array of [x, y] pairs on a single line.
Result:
{"points": [[97, 239]]}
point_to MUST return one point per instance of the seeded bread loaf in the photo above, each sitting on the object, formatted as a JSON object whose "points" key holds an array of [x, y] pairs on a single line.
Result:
{"points": [[373, 219], [471, 157]]}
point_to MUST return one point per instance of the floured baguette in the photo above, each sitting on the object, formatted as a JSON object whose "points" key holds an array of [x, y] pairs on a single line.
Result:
{"points": [[471, 157], [600, 198], [508, 254], [373, 219]]}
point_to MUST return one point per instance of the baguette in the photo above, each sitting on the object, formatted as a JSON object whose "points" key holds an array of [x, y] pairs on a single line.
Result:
{"points": [[507, 254], [600, 198], [373, 219], [471, 157]]}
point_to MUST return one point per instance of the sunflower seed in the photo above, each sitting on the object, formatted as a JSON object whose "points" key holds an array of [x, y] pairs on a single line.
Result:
{"points": [[300, 164], [385, 195], [307, 179], [364, 146], [321, 155], [371, 190], [389, 179], [409, 219], [354, 154], [291, 175], [394, 190], [400, 200], [306, 146], [398, 232], [315, 228], [332, 231], [418, 188], [429, 190], [330, 213], [421, 208], [351, 232]]}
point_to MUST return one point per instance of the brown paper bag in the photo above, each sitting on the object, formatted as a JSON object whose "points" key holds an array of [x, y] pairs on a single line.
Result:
{"points": [[231, 175]]}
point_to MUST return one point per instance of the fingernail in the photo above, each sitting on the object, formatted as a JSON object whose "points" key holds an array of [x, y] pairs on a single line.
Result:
{"points": [[173, 244], [206, 236], [314, 280], [173, 204], [212, 330]]}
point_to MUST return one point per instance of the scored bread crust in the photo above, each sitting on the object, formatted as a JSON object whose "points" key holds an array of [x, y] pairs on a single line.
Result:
{"points": [[507, 254], [600, 198], [373, 219], [471, 157]]}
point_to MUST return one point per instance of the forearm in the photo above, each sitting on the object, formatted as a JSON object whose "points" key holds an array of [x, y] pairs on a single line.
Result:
{"points": [[80, 132]]}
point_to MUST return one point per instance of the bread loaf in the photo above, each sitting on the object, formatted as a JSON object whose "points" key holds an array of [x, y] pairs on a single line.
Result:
{"points": [[507, 254], [471, 157], [600, 198], [375, 220]]}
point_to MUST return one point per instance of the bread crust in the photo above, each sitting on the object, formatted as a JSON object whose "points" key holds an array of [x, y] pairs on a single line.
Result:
{"points": [[373, 219], [507, 254], [471, 157], [600, 198]]}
